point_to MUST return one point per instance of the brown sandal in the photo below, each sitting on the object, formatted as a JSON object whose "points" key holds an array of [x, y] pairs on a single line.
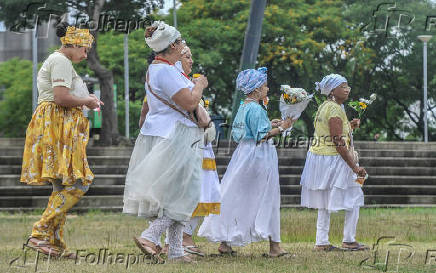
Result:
{"points": [[228, 253], [192, 249], [41, 246], [281, 254], [185, 259], [326, 248], [149, 249], [354, 246], [68, 255]]}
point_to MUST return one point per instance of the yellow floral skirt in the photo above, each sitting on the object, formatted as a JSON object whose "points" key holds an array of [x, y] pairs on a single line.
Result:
{"points": [[55, 147]]}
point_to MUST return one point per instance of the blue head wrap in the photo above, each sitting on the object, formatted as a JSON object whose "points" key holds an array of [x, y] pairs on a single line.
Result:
{"points": [[329, 83], [250, 79]]}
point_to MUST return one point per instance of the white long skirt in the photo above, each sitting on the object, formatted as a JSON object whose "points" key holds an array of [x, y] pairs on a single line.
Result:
{"points": [[164, 175], [250, 198], [210, 191], [328, 183]]}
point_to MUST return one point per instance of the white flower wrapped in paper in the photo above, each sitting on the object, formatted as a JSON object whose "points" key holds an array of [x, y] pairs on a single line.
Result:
{"points": [[293, 101]]}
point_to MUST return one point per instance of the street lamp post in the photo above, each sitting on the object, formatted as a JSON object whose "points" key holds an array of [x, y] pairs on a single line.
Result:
{"points": [[251, 44], [174, 14], [34, 67], [126, 82], [425, 39]]}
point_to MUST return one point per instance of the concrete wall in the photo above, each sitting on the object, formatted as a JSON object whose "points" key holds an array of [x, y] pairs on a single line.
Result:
{"points": [[20, 44]]}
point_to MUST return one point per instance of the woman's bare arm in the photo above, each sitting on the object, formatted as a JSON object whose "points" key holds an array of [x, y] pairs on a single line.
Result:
{"points": [[144, 111], [188, 99], [336, 131], [63, 97]]}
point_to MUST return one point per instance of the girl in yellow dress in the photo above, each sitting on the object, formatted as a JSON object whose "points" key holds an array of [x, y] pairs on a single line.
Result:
{"points": [[56, 139]]}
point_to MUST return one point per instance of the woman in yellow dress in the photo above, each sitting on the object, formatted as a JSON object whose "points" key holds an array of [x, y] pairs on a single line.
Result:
{"points": [[329, 174], [56, 139]]}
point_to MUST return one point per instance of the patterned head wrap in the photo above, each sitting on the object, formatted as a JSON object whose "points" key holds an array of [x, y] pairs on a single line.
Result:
{"points": [[329, 83], [250, 79], [77, 36]]}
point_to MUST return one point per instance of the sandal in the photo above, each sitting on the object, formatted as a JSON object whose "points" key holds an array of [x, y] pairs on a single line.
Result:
{"points": [[165, 249], [229, 253], [68, 255], [194, 250], [281, 254], [149, 249], [326, 248], [186, 258], [354, 246], [41, 246]]}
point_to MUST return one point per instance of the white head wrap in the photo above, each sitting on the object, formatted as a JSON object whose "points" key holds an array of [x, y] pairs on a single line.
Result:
{"points": [[329, 83], [162, 37]]}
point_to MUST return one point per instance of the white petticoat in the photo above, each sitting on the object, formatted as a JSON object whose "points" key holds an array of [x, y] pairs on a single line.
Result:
{"points": [[250, 198], [328, 183], [164, 175]]}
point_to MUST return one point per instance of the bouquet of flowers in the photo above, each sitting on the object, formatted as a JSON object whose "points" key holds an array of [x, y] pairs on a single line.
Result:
{"points": [[293, 101], [361, 105]]}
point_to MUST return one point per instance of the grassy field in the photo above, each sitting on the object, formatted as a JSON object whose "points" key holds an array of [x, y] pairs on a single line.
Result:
{"points": [[414, 230]]}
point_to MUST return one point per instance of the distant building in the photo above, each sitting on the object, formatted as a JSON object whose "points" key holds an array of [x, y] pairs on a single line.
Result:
{"points": [[20, 44]]}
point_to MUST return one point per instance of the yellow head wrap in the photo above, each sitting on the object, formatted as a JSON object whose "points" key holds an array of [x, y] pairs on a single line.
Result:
{"points": [[77, 36]]}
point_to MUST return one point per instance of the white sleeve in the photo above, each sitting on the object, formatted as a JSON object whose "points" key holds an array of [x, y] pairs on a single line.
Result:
{"points": [[170, 81], [61, 72]]}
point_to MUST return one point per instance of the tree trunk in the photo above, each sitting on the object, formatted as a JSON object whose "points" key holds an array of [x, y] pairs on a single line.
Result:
{"points": [[109, 128]]}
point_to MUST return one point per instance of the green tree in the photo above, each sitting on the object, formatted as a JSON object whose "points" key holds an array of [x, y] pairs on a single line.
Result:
{"points": [[16, 106], [301, 42], [17, 15], [111, 56], [395, 73]]}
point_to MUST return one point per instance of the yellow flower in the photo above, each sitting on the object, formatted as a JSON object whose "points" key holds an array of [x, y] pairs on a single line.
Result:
{"points": [[294, 100], [196, 75], [363, 105], [206, 103], [285, 96]]}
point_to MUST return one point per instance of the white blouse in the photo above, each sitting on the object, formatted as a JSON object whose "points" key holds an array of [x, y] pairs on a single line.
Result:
{"points": [[166, 81]]}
